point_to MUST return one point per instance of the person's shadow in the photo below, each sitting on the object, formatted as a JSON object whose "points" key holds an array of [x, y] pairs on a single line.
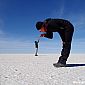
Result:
{"points": [[74, 65]]}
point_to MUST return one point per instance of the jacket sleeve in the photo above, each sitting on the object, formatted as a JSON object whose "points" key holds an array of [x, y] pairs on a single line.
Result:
{"points": [[49, 35]]}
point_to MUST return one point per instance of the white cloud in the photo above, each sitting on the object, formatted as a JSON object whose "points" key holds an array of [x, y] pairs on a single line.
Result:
{"points": [[19, 46], [2, 33], [78, 46], [10, 43], [15, 46]]}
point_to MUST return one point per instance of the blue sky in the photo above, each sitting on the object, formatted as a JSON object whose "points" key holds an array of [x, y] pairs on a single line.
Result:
{"points": [[18, 19]]}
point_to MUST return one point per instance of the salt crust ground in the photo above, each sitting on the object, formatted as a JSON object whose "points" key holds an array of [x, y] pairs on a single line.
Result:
{"points": [[26, 69]]}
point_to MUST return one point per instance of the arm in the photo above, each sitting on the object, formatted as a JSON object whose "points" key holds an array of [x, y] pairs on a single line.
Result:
{"points": [[47, 35]]}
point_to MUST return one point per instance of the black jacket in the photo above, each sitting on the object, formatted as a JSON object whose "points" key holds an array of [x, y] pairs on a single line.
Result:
{"points": [[55, 25]]}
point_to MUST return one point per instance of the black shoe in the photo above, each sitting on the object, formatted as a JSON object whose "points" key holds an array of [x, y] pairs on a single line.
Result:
{"points": [[59, 65]]}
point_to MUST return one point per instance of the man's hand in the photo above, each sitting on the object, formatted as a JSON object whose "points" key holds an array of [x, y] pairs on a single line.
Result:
{"points": [[42, 35]]}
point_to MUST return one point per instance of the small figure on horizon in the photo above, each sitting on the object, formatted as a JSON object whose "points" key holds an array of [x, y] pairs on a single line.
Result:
{"points": [[65, 30]]}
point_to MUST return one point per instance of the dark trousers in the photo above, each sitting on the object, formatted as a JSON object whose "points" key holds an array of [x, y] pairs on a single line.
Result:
{"points": [[66, 36]]}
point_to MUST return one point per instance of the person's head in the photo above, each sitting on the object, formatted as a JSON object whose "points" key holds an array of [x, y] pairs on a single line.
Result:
{"points": [[39, 26]]}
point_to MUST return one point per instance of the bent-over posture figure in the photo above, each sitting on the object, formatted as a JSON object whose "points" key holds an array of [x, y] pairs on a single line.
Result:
{"points": [[65, 30]]}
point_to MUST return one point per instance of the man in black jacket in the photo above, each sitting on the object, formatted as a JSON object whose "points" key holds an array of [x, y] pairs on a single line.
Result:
{"points": [[65, 30]]}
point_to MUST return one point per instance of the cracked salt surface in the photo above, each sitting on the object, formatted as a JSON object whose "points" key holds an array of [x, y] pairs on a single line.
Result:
{"points": [[26, 69]]}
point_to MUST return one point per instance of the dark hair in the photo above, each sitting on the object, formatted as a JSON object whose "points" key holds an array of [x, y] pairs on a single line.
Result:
{"points": [[39, 25]]}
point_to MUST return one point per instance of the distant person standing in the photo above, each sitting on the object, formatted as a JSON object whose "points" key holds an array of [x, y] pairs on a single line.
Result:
{"points": [[65, 30]]}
